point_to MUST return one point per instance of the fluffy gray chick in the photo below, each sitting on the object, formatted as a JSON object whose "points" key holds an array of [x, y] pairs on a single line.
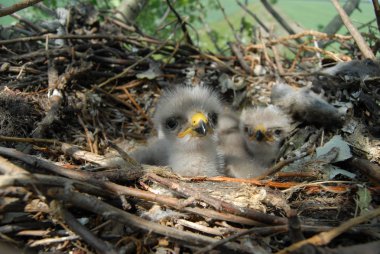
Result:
{"points": [[305, 105], [251, 144], [264, 130], [185, 120]]}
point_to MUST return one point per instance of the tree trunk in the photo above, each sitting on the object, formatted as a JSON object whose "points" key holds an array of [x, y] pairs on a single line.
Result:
{"points": [[131, 9], [336, 23]]}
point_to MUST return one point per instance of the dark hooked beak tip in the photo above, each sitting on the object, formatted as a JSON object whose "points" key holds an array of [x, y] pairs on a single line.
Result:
{"points": [[201, 129], [259, 136]]}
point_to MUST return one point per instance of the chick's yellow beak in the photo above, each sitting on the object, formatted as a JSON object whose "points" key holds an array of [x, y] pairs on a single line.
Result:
{"points": [[260, 133], [198, 126]]}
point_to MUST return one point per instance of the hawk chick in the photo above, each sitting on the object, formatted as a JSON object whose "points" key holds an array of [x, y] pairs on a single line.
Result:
{"points": [[185, 120], [252, 143]]}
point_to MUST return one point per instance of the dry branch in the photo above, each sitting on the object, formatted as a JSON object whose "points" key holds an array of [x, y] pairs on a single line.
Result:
{"points": [[16, 7], [218, 204], [93, 204], [366, 51], [325, 237]]}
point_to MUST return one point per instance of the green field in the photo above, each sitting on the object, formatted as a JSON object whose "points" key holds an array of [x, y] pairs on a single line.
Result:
{"points": [[302, 14]]}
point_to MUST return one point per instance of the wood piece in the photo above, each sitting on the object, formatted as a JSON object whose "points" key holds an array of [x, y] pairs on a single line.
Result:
{"points": [[93, 204], [263, 230], [336, 23], [325, 237], [17, 7], [370, 169], [216, 203], [376, 8], [280, 19], [254, 16], [89, 237], [366, 51]]}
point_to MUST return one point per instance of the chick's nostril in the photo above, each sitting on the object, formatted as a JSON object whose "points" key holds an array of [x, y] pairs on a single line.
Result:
{"points": [[201, 128], [259, 135]]}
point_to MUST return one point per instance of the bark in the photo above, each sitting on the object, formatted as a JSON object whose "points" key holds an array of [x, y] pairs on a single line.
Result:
{"points": [[336, 23], [131, 9]]}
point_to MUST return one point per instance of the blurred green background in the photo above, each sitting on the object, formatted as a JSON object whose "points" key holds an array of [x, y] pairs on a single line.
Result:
{"points": [[302, 14]]}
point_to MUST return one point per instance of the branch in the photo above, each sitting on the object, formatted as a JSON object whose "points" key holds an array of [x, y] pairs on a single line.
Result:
{"points": [[183, 24], [280, 19], [216, 203], [376, 8], [16, 7], [366, 51], [89, 237], [336, 23], [95, 205], [254, 16], [325, 237]]}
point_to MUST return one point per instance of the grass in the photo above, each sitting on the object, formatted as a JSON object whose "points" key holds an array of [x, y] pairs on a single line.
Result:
{"points": [[310, 14]]}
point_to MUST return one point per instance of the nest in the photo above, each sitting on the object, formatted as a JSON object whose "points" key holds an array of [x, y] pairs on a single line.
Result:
{"points": [[72, 105]]}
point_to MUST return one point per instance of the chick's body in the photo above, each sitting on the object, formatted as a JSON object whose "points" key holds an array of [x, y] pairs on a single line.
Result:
{"points": [[252, 143], [264, 130], [185, 120]]}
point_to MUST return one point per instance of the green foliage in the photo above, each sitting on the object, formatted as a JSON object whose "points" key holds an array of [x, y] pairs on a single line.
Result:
{"points": [[152, 19], [363, 199]]}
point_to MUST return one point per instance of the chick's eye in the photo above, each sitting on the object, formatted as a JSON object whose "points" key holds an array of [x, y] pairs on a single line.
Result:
{"points": [[213, 118], [171, 123], [277, 132], [248, 130]]}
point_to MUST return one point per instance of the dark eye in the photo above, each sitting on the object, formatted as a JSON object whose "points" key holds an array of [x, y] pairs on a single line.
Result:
{"points": [[213, 118], [248, 130], [277, 132], [171, 123]]}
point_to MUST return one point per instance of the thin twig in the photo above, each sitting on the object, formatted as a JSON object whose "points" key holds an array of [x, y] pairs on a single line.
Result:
{"points": [[325, 237], [366, 51], [216, 203], [273, 229], [84, 233], [16, 7], [182, 23], [107, 211]]}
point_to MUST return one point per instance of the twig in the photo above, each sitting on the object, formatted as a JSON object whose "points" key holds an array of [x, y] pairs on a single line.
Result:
{"points": [[126, 70], [47, 241], [222, 216], [216, 203], [47, 180], [236, 50], [228, 22], [254, 16], [336, 23], [325, 237], [28, 23], [8, 168], [317, 34], [279, 165], [93, 204], [204, 229], [182, 23], [57, 84], [84, 233], [366, 51], [16, 7], [376, 8], [262, 230], [370, 169], [89, 178], [280, 19], [209, 32]]}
